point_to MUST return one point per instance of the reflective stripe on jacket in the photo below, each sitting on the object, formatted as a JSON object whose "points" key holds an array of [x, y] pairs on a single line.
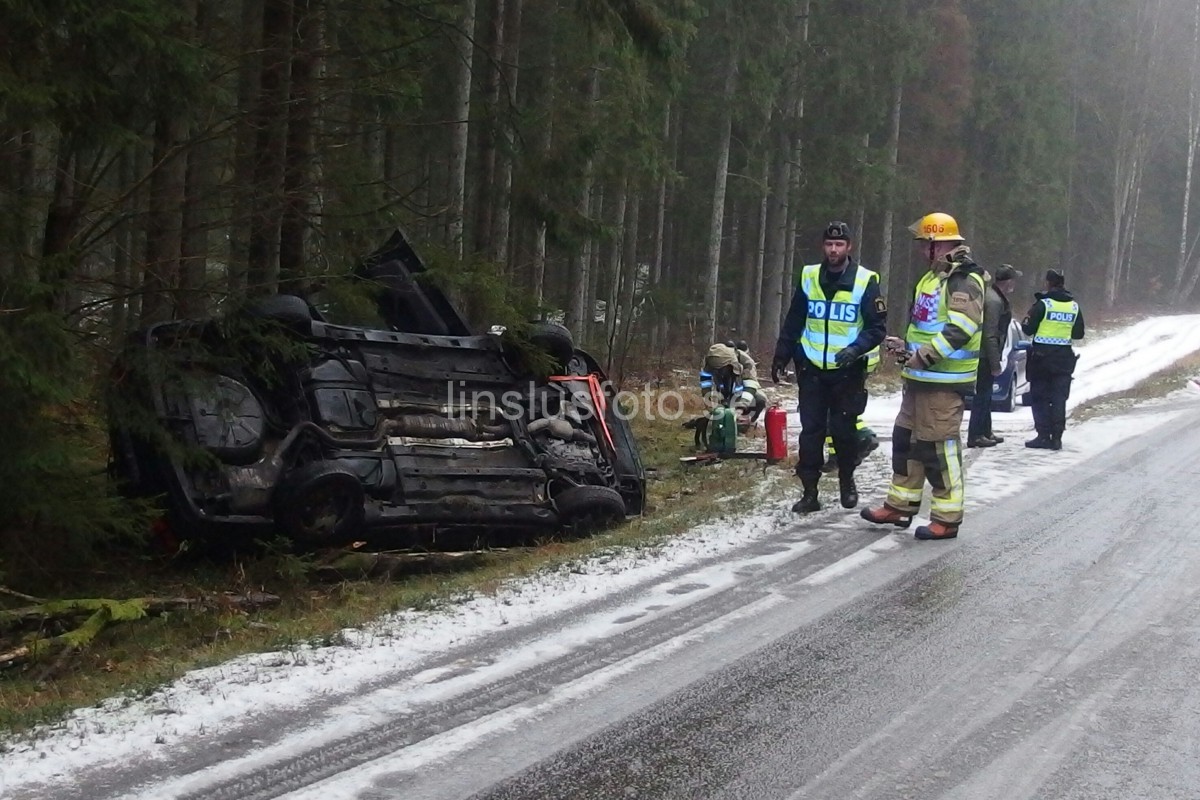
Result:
{"points": [[833, 323], [930, 315], [1057, 323]]}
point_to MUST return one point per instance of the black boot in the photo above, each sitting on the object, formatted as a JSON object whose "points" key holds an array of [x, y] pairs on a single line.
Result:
{"points": [[809, 502], [1056, 441], [1040, 443], [848, 490]]}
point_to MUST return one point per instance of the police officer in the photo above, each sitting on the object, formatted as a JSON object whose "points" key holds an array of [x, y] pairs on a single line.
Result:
{"points": [[836, 318], [941, 358], [1052, 322]]}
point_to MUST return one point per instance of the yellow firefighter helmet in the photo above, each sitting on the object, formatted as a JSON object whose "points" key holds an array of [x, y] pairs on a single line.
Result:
{"points": [[936, 227]]}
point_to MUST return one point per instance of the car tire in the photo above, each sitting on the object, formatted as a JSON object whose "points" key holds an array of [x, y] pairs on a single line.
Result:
{"points": [[587, 509], [1009, 403], [555, 339], [320, 504], [286, 309]]}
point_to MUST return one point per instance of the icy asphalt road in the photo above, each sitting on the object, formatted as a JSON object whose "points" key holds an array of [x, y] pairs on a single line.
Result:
{"points": [[1048, 653], [1052, 652]]}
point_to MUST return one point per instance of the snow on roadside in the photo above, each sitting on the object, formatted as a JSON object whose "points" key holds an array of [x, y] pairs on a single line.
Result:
{"points": [[205, 703]]}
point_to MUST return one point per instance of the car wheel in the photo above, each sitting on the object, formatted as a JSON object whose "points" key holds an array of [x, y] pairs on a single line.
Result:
{"points": [[555, 339], [1009, 402], [287, 309], [587, 509], [320, 504]]}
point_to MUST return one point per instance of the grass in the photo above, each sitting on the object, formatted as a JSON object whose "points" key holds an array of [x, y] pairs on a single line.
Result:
{"points": [[135, 658]]}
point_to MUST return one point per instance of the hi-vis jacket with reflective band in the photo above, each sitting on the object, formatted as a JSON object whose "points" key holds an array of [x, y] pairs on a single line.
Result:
{"points": [[833, 323], [930, 315], [1057, 323]]}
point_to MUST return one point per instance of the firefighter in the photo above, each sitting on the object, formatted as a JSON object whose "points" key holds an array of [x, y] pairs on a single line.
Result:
{"points": [[940, 356], [1052, 322], [752, 402], [836, 318]]}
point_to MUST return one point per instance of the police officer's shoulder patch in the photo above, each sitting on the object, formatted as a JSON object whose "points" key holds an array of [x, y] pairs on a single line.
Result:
{"points": [[880, 305]]}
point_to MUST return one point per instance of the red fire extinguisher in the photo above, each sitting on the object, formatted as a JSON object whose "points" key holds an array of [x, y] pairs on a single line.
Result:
{"points": [[776, 427]]}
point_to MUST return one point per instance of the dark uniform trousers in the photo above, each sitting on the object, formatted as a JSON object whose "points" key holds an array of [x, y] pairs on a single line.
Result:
{"points": [[830, 403], [1049, 388], [981, 404]]}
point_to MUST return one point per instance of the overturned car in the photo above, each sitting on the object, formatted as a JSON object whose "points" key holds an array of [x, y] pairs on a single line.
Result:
{"points": [[404, 433]]}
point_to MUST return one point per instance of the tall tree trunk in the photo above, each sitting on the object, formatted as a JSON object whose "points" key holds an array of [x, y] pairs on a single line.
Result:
{"points": [[199, 189], [488, 129], [271, 121], [578, 314], [19, 173], [62, 219], [658, 332], [743, 249], [122, 283], [593, 271], [245, 139], [889, 195], [200, 182], [541, 225], [777, 241], [613, 296], [1193, 143], [860, 210], [164, 221], [755, 301], [779, 244], [1132, 146], [789, 268], [631, 271], [716, 223], [298, 158], [460, 128], [507, 152]]}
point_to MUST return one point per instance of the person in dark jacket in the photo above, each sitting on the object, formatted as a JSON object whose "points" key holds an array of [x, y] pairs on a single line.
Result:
{"points": [[1053, 322], [997, 319], [837, 317]]}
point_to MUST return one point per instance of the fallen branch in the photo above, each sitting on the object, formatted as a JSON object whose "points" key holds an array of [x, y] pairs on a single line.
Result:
{"points": [[20, 595], [103, 612]]}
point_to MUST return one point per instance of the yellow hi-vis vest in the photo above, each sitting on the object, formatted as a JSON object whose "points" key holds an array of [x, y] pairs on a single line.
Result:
{"points": [[929, 317], [1057, 322], [873, 357], [833, 322]]}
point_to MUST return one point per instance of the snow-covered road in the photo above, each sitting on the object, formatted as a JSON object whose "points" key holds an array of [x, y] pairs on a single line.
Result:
{"points": [[207, 731]]}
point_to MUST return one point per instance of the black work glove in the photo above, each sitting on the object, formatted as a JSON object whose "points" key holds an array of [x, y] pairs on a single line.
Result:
{"points": [[779, 365], [846, 357]]}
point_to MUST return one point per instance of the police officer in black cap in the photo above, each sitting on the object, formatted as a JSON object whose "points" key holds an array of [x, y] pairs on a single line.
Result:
{"points": [[1053, 322], [836, 317]]}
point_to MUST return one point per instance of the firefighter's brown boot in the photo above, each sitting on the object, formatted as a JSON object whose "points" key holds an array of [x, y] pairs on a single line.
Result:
{"points": [[936, 530], [886, 515]]}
